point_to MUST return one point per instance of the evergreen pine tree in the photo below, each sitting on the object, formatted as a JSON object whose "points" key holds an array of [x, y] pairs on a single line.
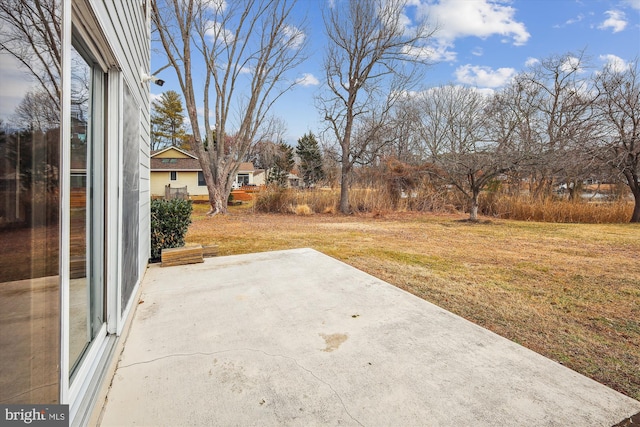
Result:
{"points": [[311, 163], [167, 121], [283, 163]]}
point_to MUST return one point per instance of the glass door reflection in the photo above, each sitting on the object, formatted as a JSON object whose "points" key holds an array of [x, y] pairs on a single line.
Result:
{"points": [[86, 309]]}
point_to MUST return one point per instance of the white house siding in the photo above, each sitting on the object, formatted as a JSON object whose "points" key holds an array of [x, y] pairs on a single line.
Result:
{"points": [[121, 33], [187, 179], [128, 31], [157, 185], [186, 167]]}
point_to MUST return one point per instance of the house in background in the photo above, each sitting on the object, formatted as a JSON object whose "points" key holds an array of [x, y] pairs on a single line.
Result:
{"points": [[260, 177], [293, 180], [244, 176], [74, 195], [179, 168]]}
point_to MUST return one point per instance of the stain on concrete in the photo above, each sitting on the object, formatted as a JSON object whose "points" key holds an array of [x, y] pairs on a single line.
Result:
{"points": [[333, 341], [146, 311]]}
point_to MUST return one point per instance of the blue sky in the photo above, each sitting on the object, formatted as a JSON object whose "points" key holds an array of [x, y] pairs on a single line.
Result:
{"points": [[481, 43]]}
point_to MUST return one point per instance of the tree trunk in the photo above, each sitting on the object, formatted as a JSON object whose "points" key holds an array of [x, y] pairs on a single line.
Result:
{"points": [[345, 171], [344, 190], [217, 200], [574, 187], [635, 216], [542, 188], [218, 193], [473, 213], [634, 186]]}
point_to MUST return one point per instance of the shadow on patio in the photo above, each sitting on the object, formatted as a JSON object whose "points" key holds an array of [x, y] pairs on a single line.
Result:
{"points": [[299, 338]]}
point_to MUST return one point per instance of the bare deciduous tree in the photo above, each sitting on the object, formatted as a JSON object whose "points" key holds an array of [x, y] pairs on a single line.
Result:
{"points": [[264, 151], [31, 34], [37, 112], [555, 101], [371, 60], [242, 44], [407, 144], [619, 109], [468, 137]]}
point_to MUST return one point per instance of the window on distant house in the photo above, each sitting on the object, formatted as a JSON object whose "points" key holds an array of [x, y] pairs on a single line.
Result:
{"points": [[201, 179], [242, 179], [174, 175]]}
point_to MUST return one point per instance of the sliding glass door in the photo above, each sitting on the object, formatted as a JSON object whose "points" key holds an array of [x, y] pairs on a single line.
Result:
{"points": [[30, 148], [86, 240]]}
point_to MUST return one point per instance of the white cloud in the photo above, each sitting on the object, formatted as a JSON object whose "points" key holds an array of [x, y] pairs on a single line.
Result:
{"points": [[476, 18], [616, 63], [571, 64], [308, 79], [485, 91], [634, 4], [486, 77], [570, 21], [216, 32], [294, 36], [405, 22], [419, 52], [578, 18], [530, 62], [616, 21], [155, 96], [217, 6], [477, 51], [437, 53], [200, 111]]}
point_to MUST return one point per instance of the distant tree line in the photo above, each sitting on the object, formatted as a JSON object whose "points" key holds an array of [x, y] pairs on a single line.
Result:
{"points": [[554, 123], [557, 122]]}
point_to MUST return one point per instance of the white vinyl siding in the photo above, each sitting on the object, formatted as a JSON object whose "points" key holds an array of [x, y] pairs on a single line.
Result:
{"points": [[126, 27]]}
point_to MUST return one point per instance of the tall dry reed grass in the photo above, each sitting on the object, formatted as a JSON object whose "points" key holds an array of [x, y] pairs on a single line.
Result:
{"points": [[557, 210], [361, 200], [371, 200]]}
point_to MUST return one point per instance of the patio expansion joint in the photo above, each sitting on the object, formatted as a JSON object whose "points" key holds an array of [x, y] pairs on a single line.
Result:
{"points": [[213, 353]]}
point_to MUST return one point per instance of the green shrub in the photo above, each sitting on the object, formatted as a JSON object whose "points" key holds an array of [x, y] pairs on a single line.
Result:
{"points": [[170, 220]]}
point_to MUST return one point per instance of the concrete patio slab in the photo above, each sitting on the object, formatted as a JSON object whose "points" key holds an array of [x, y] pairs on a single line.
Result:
{"points": [[299, 338]]}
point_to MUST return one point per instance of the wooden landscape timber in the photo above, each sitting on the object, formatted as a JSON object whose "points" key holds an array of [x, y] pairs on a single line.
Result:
{"points": [[209, 251], [182, 256]]}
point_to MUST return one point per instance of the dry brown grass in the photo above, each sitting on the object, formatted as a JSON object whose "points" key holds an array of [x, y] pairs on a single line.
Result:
{"points": [[554, 210], [495, 204], [570, 292], [303, 210]]}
